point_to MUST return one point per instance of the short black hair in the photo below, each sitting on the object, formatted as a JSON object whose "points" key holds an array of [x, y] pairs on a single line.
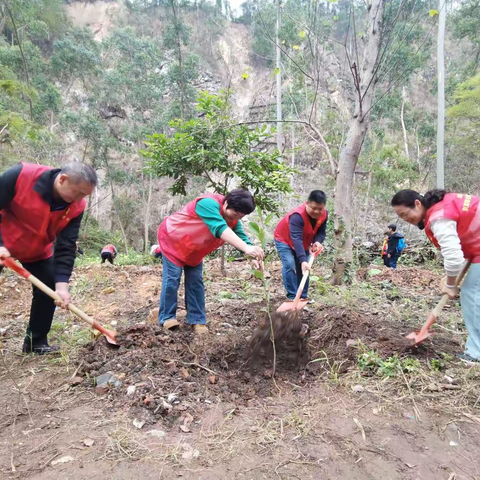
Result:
{"points": [[240, 200], [393, 227], [317, 196]]}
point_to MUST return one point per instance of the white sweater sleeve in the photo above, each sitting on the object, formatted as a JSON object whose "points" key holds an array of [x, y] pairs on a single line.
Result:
{"points": [[445, 231]]}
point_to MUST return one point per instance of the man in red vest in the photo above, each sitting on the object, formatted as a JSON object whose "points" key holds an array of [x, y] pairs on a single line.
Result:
{"points": [[302, 230], [452, 223], [186, 237], [40, 205]]}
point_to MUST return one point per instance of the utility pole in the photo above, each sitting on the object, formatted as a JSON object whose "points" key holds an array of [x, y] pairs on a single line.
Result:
{"points": [[441, 95], [278, 76]]}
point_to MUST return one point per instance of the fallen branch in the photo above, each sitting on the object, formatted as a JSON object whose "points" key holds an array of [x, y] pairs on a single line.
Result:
{"points": [[202, 367]]}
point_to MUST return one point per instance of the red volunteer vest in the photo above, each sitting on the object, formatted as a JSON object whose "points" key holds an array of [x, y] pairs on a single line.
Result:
{"points": [[184, 237], [463, 209], [28, 226], [282, 231], [109, 248]]}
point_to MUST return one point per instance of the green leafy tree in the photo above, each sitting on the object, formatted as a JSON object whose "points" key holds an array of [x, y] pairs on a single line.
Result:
{"points": [[75, 56], [217, 150], [184, 70], [464, 129]]}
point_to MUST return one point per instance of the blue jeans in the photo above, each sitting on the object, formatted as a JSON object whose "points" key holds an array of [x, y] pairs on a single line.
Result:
{"points": [[470, 300], [194, 293], [291, 270]]}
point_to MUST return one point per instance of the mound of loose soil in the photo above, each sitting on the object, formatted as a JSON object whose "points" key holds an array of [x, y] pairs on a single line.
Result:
{"points": [[177, 371]]}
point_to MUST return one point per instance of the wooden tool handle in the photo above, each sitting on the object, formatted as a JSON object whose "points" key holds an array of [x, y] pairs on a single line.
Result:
{"points": [[443, 301], [441, 304], [303, 282], [10, 263]]}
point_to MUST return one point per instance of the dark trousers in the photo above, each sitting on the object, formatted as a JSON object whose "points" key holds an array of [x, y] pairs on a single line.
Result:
{"points": [[392, 261], [43, 307], [107, 256]]}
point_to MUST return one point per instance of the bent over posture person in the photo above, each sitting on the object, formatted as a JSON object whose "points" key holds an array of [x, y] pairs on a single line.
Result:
{"points": [[109, 252], [452, 223], [40, 205], [186, 237], [302, 230]]}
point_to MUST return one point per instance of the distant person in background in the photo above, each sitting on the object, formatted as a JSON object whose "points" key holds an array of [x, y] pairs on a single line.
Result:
{"points": [[109, 252], [384, 251], [300, 232], [156, 252], [396, 244]]}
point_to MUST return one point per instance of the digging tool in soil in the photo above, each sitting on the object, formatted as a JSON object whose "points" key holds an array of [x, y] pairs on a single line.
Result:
{"points": [[298, 303], [13, 265], [286, 324], [423, 334]]}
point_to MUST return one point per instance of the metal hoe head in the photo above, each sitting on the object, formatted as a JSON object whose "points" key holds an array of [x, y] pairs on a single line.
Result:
{"points": [[418, 337], [287, 306]]}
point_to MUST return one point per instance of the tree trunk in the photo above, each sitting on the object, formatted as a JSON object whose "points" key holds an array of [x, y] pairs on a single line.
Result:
{"points": [[367, 202], [441, 95], [353, 145], [222, 261], [292, 164], [147, 212], [119, 218], [402, 120], [87, 217], [180, 59]]}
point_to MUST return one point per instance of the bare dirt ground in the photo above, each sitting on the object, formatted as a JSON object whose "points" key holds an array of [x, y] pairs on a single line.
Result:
{"points": [[357, 403]]}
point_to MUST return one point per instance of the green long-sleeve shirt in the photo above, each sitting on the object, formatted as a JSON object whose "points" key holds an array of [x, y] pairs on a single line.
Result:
{"points": [[209, 211]]}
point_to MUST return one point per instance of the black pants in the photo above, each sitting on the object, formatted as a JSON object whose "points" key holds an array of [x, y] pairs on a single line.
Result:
{"points": [[386, 260], [43, 307], [107, 256]]}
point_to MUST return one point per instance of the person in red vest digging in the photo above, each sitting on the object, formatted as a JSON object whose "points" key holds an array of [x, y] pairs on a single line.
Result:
{"points": [[302, 230], [186, 237], [40, 205], [109, 252], [452, 223]]}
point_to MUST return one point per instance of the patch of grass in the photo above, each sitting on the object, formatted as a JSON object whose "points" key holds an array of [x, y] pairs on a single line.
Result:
{"points": [[371, 362], [133, 258], [436, 364]]}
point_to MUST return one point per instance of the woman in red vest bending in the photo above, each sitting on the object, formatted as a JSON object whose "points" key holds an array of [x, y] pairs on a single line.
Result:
{"points": [[452, 224], [109, 252], [186, 237], [301, 230]]}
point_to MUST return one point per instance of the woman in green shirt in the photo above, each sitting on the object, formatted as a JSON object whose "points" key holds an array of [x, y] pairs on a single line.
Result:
{"points": [[186, 237]]}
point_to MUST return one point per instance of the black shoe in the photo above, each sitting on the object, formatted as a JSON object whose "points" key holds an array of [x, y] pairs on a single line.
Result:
{"points": [[465, 357], [40, 349]]}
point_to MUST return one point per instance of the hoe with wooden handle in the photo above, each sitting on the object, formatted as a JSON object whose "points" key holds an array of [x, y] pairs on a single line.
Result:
{"points": [[13, 265], [298, 303], [424, 333]]}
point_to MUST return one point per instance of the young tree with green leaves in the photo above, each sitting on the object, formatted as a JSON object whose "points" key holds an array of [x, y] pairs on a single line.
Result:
{"points": [[216, 149]]}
